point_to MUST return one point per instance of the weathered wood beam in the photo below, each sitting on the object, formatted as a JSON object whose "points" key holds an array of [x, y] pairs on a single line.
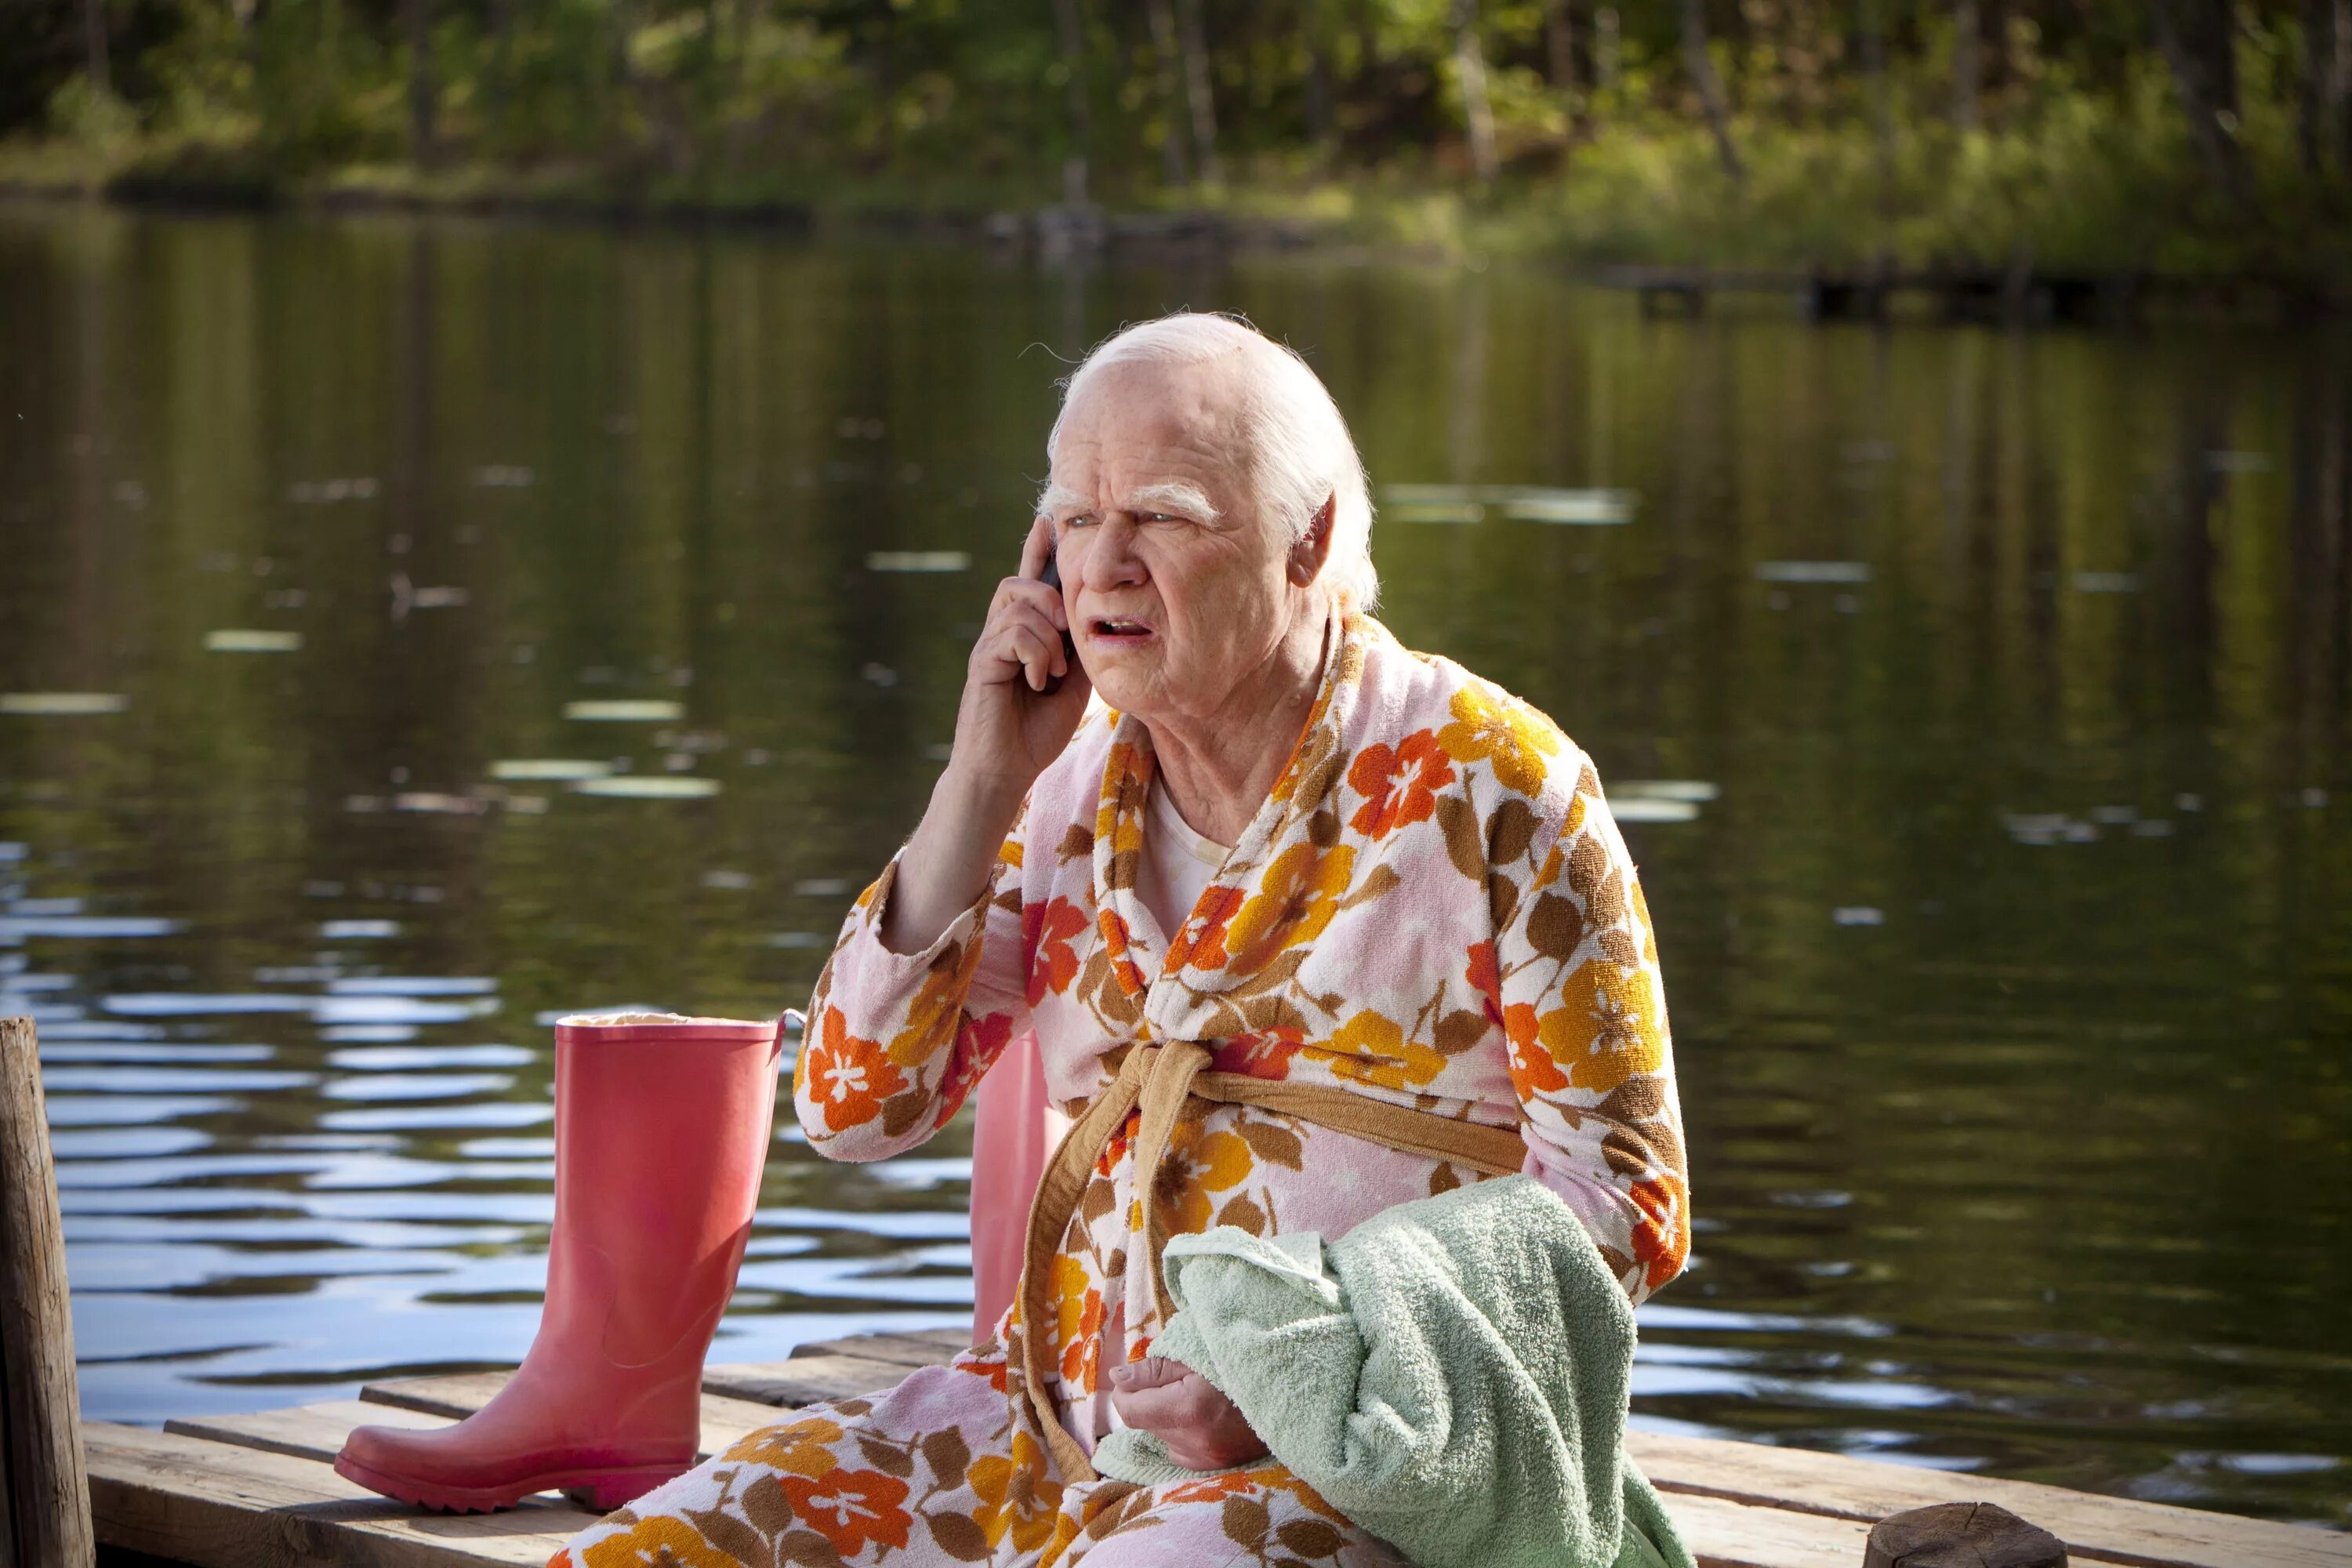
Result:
{"points": [[2095, 1528], [47, 1491], [214, 1505]]}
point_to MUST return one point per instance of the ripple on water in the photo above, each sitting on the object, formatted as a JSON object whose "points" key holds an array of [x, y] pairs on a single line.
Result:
{"points": [[124, 1142], [212, 1166], [194, 1004], [147, 1079], [416, 1086], [394, 1058], [389, 1172], [413, 985], [132, 1051], [535, 1208], [132, 1109], [82, 928], [402, 1009], [437, 1118]]}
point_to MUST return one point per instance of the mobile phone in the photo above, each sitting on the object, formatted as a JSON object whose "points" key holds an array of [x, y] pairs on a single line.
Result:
{"points": [[1052, 577]]}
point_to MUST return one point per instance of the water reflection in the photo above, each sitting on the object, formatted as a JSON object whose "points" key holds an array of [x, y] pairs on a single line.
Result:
{"points": [[413, 632]]}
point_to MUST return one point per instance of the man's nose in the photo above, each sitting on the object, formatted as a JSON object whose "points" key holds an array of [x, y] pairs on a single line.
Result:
{"points": [[1111, 561]]}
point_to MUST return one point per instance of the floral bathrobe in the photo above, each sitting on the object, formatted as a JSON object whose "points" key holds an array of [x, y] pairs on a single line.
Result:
{"points": [[1433, 908]]}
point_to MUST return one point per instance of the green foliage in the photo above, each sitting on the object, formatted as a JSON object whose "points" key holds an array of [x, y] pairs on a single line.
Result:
{"points": [[1346, 114], [84, 112]]}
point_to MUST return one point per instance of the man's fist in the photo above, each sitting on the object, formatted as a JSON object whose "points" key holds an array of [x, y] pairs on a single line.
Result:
{"points": [[1203, 1428]]}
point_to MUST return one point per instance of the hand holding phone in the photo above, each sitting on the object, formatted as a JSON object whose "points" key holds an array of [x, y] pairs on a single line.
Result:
{"points": [[1051, 576], [1019, 710]]}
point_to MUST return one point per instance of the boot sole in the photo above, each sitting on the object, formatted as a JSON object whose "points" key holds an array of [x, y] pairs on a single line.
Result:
{"points": [[600, 1488]]}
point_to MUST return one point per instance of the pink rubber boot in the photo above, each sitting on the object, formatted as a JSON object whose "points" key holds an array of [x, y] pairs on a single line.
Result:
{"points": [[661, 1128]]}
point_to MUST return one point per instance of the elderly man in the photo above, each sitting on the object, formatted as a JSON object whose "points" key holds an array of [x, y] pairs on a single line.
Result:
{"points": [[1308, 925]]}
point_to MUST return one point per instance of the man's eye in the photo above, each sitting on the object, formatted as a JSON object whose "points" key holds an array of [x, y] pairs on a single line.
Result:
{"points": [[1080, 521]]}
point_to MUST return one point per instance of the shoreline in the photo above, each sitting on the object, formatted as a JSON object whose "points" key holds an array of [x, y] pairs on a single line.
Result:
{"points": [[1195, 232], [589, 198]]}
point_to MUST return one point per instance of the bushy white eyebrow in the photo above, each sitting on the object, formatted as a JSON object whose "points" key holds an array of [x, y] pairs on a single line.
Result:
{"points": [[1174, 497], [1057, 497]]}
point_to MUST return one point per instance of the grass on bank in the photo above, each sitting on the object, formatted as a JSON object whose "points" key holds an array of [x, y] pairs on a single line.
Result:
{"points": [[2099, 185]]}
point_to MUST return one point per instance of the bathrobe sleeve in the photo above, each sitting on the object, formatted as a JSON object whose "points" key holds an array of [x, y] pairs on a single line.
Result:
{"points": [[896, 1041], [1576, 973]]}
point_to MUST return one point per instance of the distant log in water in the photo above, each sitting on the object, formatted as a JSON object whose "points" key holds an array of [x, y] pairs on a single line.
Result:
{"points": [[45, 1490]]}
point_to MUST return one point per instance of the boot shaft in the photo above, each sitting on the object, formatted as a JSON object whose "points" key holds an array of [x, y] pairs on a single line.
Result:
{"points": [[661, 1133]]}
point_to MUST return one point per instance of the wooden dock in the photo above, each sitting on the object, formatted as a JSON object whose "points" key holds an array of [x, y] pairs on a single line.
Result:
{"points": [[257, 1491]]}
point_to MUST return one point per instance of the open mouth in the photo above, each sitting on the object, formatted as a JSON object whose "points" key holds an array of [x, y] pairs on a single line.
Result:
{"points": [[1117, 629]]}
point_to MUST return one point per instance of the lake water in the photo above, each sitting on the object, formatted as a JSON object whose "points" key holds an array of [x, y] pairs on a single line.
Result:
{"points": [[1978, 705]]}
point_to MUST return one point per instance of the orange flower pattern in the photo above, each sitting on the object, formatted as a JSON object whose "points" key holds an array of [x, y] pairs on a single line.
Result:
{"points": [[935, 1471], [846, 1078], [851, 1507], [1400, 786], [1045, 932], [1433, 907], [1295, 904]]}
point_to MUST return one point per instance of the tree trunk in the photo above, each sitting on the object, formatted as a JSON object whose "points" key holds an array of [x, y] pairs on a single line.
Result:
{"points": [[1071, 34], [422, 96], [1477, 113], [1559, 43], [502, 67], [1881, 124], [1605, 52], [1320, 130], [1199, 91], [2318, 56], [1701, 66], [331, 44], [2197, 39], [1173, 164], [93, 36], [1559, 49], [2340, 88], [748, 16], [1968, 63], [2321, 129]]}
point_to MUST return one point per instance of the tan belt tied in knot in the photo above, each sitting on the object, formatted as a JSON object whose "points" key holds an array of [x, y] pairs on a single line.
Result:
{"points": [[1161, 1077]]}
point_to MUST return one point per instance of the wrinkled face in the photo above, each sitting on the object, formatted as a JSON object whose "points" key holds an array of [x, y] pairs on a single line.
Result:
{"points": [[1177, 591]]}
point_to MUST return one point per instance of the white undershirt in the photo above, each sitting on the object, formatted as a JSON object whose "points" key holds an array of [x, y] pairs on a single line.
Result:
{"points": [[1177, 864]]}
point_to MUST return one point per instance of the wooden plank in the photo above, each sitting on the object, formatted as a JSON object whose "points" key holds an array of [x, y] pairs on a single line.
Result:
{"points": [[916, 1347], [43, 1485], [803, 1380], [433, 1400], [2114, 1530], [1722, 1534], [307, 1432], [217, 1506], [1802, 1486], [458, 1395]]}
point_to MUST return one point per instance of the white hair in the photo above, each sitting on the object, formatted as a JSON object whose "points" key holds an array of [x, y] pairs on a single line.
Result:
{"points": [[1301, 453]]}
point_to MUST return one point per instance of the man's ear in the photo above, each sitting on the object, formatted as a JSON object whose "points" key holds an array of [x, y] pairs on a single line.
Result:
{"points": [[1314, 546]]}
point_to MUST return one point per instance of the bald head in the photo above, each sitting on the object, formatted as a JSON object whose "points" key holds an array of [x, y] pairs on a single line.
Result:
{"points": [[1230, 387]]}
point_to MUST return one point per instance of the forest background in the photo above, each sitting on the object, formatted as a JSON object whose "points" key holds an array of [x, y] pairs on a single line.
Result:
{"points": [[2188, 138]]}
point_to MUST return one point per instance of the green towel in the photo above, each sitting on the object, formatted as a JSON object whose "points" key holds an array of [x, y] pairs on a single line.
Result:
{"points": [[1451, 1376]]}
